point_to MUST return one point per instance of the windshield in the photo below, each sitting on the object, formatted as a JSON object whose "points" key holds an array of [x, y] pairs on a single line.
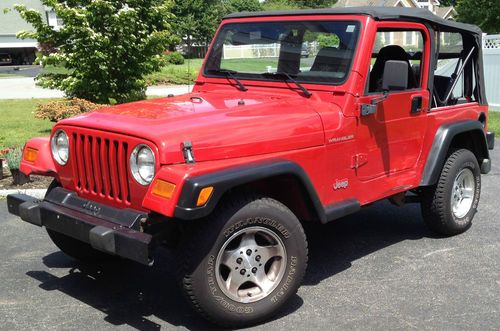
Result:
{"points": [[309, 51]]}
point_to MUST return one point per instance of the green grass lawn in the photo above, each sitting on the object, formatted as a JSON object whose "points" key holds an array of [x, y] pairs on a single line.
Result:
{"points": [[250, 65], [17, 123], [50, 69], [169, 75], [494, 122], [176, 74]]}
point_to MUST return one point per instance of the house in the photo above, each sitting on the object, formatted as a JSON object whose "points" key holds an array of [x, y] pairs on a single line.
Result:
{"points": [[21, 51], [409, 40], [432, 5]]}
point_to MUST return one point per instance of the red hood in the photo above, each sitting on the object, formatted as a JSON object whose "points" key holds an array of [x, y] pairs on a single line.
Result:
{"points": [[215, 123]]}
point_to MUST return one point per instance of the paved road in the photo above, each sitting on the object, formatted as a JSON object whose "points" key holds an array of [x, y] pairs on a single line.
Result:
{"points": [[380, 269], [22, 71], [25, 88]]}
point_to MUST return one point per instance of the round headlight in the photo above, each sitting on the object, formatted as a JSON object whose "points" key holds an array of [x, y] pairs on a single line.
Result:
{"points": [[142, 164], [60, 147]]}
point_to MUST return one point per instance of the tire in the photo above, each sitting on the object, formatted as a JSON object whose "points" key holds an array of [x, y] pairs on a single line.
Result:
{"points": [[220, 251], [74, 248], [78, 250], [449, 207]]}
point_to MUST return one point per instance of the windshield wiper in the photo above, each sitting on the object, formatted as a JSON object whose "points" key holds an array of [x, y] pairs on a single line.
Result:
{"points": [[230, 74], [291, 79]]}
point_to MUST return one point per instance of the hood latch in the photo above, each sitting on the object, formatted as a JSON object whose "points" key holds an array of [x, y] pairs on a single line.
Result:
{"points": [[187, 150]]}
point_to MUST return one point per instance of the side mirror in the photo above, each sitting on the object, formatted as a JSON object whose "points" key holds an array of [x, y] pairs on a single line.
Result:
{"points": [[395, 76]]}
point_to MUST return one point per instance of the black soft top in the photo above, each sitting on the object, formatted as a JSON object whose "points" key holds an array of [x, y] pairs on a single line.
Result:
{"points": [[377, 13]]}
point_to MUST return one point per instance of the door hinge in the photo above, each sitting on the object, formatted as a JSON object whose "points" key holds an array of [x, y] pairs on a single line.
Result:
{"points": [[358, 160]]}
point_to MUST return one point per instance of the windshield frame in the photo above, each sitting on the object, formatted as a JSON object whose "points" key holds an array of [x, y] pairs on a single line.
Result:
{"points": [[359, 23]]}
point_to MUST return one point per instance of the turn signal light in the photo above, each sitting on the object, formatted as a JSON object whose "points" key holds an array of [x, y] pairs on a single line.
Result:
{"points": [[205, 194], [163, 189], [30, 154]]}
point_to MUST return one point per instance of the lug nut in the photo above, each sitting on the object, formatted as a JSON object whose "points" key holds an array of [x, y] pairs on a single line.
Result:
{"points": [[239, 260], [254, 270], [242, 271], [249, 252], [257, 258]]}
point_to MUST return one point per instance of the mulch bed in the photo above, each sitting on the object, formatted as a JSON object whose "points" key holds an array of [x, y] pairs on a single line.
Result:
{"points": [[37, 182]]}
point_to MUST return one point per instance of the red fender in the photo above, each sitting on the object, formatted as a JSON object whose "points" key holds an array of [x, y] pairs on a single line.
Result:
{"points": [[44, 164]]}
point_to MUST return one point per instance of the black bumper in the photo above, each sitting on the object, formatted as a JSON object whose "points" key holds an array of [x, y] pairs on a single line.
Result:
{"points": [[111, 230]]}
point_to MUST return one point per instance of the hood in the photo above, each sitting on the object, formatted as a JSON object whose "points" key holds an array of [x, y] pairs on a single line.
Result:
{"points": [[218, 124]]}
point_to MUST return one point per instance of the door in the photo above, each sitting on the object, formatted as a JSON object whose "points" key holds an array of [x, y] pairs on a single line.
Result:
{"points": [[390, 133]]}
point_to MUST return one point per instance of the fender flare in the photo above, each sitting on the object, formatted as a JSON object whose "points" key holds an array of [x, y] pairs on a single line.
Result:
{"points": [[229, 178], [441, 144]]}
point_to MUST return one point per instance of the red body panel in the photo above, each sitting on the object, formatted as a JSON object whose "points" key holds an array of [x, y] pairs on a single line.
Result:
{"points": [[377, 156]]}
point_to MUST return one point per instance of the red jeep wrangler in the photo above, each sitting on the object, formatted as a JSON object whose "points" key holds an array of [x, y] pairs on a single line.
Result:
{"points": [[389, 103]]}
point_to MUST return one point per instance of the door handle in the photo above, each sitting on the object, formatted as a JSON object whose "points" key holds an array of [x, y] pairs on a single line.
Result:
{"points": [[416, 104]]}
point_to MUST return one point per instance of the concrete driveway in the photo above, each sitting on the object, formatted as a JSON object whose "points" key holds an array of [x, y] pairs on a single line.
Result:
{"points": [[25, 88], [380, 269]]}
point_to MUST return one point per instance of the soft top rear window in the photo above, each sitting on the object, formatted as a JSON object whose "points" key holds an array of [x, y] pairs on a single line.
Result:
{"points": [[309, 51]]}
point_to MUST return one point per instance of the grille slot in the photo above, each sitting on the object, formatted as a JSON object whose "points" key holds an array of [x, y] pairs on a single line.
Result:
{"points": [[100, 166]]}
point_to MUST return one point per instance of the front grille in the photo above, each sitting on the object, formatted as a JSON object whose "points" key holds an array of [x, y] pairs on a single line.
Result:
{"points": [[100, 167]]}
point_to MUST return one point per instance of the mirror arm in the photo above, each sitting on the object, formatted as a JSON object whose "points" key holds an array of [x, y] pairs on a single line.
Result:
{"points": [[376, 101], [372, 107]]}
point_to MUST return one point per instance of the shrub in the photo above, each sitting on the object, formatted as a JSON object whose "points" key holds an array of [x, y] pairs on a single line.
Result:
{"points": [[107, 46], [14, 157], [59, 110], [328, 40], [174, 58], [3, 152]]}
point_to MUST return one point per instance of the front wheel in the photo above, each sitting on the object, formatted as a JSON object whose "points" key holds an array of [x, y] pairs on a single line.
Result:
{"points": [[245, 262], [72, 247], [449, 207]]}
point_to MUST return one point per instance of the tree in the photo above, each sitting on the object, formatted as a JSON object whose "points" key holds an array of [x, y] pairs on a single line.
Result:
{"points": [[314, 3], [295, 4], [196, 19], [107, 46], [233, 6], [279, 5], [484, 13], [445, 3]]}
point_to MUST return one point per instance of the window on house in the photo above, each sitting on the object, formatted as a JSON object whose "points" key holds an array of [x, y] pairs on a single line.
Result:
{"points": [[409, 38], [387, 37]]}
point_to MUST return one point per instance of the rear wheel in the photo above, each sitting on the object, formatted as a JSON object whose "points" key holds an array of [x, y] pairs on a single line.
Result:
{"points": [[449, 207], [75, 248], [240, 266]]}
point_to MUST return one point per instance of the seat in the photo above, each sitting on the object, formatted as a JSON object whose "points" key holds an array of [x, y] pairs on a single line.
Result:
{"points": [[416, 72], [390, 53], [332, 59]]}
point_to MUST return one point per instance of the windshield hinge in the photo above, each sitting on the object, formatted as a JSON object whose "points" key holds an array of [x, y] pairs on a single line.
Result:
{"points": [[187, 150]]}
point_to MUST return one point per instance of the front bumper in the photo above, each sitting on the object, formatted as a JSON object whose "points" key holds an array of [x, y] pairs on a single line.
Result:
{"points": [[111, 230]]}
